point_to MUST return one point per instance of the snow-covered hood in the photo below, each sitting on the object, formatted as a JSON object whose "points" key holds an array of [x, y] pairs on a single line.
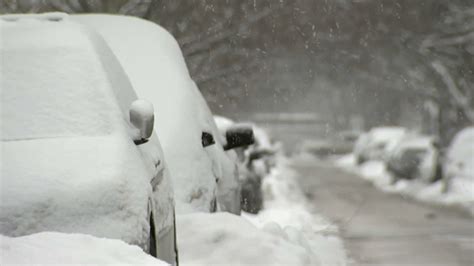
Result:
{"points": [[92, 185]]}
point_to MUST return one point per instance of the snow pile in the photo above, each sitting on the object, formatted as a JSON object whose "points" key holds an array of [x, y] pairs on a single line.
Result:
{"points": [[226, 239], [51, 248], [459, 193], [347, 161], [283, 233], [376, 172], [286, 213]]}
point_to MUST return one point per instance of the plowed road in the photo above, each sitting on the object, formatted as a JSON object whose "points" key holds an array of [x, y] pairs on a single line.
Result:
{"points": [[385, 229]]}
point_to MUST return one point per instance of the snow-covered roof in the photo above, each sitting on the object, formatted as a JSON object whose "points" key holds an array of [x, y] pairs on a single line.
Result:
{"points": [[230, 239], [382, 134], [55, 80]]}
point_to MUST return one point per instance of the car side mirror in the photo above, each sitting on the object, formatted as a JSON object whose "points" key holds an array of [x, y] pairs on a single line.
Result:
{"points": [[142, 117], [239, 135], [207, 139]]}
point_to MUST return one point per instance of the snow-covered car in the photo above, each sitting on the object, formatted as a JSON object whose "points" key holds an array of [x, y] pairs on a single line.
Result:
{"points": [[78, 150], [338, 143], [256, 161], [416, 157], [204, 177], [378, 143], [458, 167]]}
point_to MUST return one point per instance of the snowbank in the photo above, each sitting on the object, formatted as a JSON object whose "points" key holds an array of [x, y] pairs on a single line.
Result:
{"points": [[283, 233], [51, 248], [227, 239], [286, 213], [461, 193]]}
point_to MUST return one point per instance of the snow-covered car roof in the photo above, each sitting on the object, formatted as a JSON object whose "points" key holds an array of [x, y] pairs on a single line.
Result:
{"points": [[417, 142], [68, 162], [54, 83], [384, 134]]}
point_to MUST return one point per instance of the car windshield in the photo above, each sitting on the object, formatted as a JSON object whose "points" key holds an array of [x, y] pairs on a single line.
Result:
{"points": [[50, 93]]}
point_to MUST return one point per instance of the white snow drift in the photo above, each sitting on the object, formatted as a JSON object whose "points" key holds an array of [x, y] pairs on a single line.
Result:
{"points": [[283, 233], [50, 248]]}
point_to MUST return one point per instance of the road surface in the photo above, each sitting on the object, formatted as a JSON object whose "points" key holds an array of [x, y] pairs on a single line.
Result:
{"points": [[385, 229]]}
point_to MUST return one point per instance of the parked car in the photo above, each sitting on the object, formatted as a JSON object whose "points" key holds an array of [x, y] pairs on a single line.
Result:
{"points": [[339, 143], [79, 154], [256, 161], [416, 157], [204, 177], [458, 166], [377, 143]]}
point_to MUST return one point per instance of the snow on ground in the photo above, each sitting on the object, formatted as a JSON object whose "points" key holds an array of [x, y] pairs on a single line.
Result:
{"points": [[286, 212], [460, 193], [51, 248], [283, 233], [227, 239]]}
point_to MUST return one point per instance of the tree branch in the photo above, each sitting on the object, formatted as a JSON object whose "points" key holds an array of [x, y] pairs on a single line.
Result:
{"points": [[457, 96]]}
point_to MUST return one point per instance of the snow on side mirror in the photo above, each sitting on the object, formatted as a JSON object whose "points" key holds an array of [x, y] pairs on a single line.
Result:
{"points": [[239, 135], [142, 117]]}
